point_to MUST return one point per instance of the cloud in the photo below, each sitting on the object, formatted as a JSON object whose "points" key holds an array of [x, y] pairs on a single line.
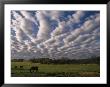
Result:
{"points": [[78, 15], [87, 27], [26, 27], [76, 36], [19, 34], [64, 26], [29, 16], [21, 26], [44, 27], [53, 15], [73, 35]]}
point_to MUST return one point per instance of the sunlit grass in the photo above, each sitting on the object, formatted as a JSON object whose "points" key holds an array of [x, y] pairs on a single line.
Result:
{"points": [[56, 69]]}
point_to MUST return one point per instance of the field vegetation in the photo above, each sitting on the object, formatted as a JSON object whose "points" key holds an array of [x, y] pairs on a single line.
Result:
{"points": [[56, 68]]}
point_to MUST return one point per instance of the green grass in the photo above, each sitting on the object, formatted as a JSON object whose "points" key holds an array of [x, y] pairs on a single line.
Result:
{"points": [[63, 70]]}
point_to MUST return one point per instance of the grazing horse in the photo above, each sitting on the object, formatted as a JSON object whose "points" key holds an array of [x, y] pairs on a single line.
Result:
{"points": [[33, 68], [21, 67]]}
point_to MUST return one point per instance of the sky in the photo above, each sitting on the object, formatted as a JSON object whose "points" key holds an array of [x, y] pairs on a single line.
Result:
{"points": [[55, 34]]}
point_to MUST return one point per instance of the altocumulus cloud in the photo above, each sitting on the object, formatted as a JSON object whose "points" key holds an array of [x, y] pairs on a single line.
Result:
{"points": [[55, 34]]}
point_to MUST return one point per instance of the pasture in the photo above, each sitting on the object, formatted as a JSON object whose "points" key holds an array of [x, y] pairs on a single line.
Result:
{"points": [[55, 70]]}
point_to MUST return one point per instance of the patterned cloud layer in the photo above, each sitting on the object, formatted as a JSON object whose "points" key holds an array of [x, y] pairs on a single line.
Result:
{"points": [[55, 34]]}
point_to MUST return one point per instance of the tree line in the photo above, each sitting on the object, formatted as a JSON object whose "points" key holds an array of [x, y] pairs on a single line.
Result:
{"points": [[93, 60]]}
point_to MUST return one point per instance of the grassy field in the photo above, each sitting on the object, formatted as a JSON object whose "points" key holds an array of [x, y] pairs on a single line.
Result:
{"points": [[55, 70]]}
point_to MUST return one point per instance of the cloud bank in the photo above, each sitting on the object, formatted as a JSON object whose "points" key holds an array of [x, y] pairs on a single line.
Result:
{"points": [[55, 34]]}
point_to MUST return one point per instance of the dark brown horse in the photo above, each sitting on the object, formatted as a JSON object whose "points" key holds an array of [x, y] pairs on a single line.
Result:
{"points": [[33, 69], [21, 67]]}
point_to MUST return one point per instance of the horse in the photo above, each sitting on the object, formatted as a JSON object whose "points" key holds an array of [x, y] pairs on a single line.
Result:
{"points": [[21, 67], [33, 68]]}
